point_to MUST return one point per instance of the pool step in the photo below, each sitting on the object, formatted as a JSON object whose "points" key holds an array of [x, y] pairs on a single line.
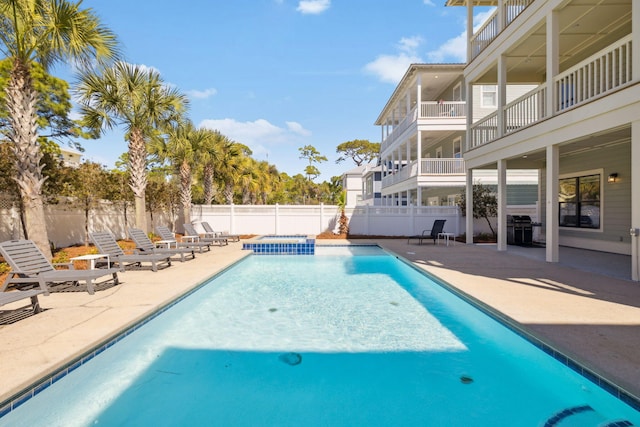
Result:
{"points": [[582, 416]]}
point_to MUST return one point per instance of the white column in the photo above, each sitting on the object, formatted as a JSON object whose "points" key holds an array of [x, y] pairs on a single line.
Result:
{"points": [[419, 152], [419, 96], [635, 199], [501, 16], [469, 29], [553, 56], [469, 207], [635, 38], [502, 205], [552, 232], [502, 94], [469, 113], [277, 219]]}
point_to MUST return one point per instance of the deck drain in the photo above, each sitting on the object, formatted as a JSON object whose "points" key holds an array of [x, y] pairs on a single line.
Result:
{"points": [[273, 310], [464, 379], [291, 358]]}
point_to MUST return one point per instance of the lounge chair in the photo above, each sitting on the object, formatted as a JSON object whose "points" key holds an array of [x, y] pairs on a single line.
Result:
{"points": [[15, 314], [107, 244], [145, 245], [438, 226], [192, 234], [29, 265], [168, 237], [209, 232]]}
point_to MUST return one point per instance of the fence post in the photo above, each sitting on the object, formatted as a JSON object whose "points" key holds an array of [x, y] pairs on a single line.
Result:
{"points": [[366, 215], [232, 221]]}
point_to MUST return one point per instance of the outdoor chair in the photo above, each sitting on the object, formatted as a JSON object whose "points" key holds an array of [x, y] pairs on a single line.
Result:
{"points": [[168, 237], [145, 245], [192, 234], [209, 232], [107, 244], [15, 314], [29, 265], [437, 228]]}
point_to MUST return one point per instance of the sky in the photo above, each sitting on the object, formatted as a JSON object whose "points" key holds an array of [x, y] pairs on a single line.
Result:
{"points": [[277, 75]]}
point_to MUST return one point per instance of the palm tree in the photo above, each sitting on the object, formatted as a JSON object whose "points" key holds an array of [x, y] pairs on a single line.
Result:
{"points": [[136, 97], [46, 32], [210, 154], [182, 148]]}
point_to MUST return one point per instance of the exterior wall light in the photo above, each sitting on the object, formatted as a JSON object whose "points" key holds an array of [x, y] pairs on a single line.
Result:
{"points": [[612, 177]]}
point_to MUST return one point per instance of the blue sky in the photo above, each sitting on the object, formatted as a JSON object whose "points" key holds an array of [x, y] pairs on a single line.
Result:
{"points": [[280, 74]]}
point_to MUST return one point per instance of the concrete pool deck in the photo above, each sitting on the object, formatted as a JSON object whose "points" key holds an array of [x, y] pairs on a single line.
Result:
{"points": [[594, 318]]}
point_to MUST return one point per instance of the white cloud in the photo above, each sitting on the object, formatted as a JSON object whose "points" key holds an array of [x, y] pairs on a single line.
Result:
{"points": [[391, 68], [202, 94], [296, 127], [429, 3], [313, 6], [258, 133], [453, 50]]}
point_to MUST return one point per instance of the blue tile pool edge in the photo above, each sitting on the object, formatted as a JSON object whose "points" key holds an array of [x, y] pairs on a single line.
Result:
{"points": [[599, 380], [43, 383]]}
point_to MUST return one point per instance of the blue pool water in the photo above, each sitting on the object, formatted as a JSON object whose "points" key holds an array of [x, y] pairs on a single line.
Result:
{"points": [[325, 340]]}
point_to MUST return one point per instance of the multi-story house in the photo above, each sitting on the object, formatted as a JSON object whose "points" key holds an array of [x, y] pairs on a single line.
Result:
{"points": [[423, 131], [577, 126]]}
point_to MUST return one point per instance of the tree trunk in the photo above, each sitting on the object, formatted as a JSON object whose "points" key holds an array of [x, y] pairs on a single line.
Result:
{"points": [[21, 105], [138, 172], [207, 182], [185, 190]]}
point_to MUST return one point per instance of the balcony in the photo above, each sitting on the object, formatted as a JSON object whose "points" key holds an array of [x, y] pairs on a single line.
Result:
{"points": [[597, 76], [428, 167], [430, 112], [492, 27]]}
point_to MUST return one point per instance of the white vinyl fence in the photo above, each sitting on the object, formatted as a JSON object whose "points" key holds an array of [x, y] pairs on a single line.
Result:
{"points": [[66, 223]]}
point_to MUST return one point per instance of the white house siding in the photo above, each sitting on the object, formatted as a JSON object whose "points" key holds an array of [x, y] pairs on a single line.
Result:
{"points": [[615, 202]]}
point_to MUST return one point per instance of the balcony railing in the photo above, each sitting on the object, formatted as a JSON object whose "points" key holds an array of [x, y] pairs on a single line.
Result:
{"points": [[442, 167], [492, 27], [445, 111], [606, 71], [428, 167], [526, 110], [603, 72]]}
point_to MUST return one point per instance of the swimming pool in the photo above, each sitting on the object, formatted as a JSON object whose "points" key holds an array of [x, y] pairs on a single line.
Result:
{"points": [[324, 340]]}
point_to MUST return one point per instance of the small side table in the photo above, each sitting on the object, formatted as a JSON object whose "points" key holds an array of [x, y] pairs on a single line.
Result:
{"points": [[190, 239], [166, 242], [448, 237], [92, 259]]}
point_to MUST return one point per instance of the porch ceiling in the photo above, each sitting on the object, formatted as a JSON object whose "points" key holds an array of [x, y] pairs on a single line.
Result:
{"points": [[537, 159], [585, 27]]}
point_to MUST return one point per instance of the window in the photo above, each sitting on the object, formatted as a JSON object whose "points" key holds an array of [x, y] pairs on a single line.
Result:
{"points": [[433, 201], [451, 199], [579, 199], [488, 96], [439, 153], [457, 150]]}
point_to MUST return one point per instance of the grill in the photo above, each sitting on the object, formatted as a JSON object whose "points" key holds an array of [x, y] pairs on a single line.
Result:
{"points": [[519, 230]]}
